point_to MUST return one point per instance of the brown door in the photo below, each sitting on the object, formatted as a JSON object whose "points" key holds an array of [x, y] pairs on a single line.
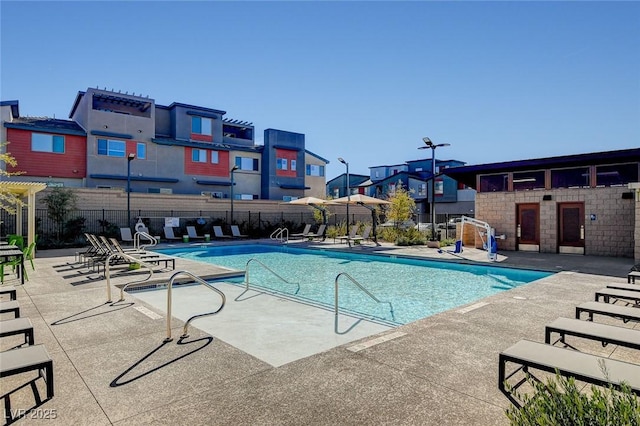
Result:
{"points": [[528, 227], [571, 228]]}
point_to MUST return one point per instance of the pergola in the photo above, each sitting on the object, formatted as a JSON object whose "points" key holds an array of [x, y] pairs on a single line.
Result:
{"points": [[26, 190]]}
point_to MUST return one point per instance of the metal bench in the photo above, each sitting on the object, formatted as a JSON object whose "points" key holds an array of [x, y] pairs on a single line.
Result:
{"points": [[625, 313], [569, 363], [611, 293], [10, 306], [10, 290], [26, 359], [18, 326], [603, 333]]}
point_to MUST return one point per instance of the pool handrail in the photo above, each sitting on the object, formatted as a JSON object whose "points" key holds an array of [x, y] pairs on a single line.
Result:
{"points": [[169, 303], [146, 236], [107, 272], [246, 276], [279, 234], [361, 287]]}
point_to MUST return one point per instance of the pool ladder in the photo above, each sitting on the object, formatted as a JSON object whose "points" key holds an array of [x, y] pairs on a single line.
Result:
{"points": [[146, 236], [246, 276], [361, 287], [280, 234]]}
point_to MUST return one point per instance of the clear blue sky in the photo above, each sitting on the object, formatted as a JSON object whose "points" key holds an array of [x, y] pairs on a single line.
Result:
{"points": [[499, 81]]}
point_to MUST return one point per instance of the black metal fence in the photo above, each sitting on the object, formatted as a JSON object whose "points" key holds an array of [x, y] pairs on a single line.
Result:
{"points": [[257, 224]]}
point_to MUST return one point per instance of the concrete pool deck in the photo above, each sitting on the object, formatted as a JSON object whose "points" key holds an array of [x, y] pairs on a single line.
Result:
{"points": [[112, 366]]}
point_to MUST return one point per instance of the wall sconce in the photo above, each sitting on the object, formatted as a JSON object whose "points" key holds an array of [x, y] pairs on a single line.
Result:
{"points": [[546, 197]]}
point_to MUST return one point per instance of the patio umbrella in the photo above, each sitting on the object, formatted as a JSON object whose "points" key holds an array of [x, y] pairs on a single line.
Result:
{"points": [[365, 201], [316, 203]]}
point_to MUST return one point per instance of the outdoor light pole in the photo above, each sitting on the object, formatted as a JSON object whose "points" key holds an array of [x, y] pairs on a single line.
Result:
{"points": [[340, 159], [433, 147], [130, 158], [233, 169]]}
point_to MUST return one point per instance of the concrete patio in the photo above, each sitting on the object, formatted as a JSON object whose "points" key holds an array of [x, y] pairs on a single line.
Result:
{"points": [[112, 366]]}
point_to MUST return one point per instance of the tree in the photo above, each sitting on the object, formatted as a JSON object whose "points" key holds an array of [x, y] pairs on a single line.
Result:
{"points": [[402, 207], [60, 202], [9, 201]]}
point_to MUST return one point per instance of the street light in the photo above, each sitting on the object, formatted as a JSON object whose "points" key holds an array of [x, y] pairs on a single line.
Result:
{"points": [[433, 147], [130, 158], [340, 159], [233, 169]]}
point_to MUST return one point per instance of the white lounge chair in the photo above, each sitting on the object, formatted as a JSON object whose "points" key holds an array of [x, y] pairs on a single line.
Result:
{"points": [[168, 233], [191, 231], [364, 236], [235, 232], [319, 232], [351, 236], [126, 236], [217, 232], [303, 234]]}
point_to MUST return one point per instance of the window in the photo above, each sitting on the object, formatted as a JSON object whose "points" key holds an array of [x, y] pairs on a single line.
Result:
{"points": [[247, 163], [199, 155], [201, 125], [570, 178], [111, 147], [617, 175], [293, 165], [493, 183], [141, 151], [525, 181], [281, 163], [422, 189], [314, 170], [47, 143], [214, 157]]}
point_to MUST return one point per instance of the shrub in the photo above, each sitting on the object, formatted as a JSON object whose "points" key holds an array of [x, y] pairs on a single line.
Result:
{"points": [[559, 402]]}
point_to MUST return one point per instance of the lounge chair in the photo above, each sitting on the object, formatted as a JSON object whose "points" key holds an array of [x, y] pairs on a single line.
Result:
{"points": [[25, 359], [569, 363], [168, 234], [303, 234], [125, 235], [191, 231], [319, 232], [10, 290], [625, 313], [10, 306], [351, 235], [630, 287], [235, 232], [364, 236], [217, 232], [602, 333], [607, 294]]}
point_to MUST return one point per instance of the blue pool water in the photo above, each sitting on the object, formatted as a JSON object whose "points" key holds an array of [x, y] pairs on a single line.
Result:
{"points": [[416, 288]]}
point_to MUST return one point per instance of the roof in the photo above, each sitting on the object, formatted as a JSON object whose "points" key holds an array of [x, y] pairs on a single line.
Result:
{"points": [[15, 110], [316, 155], [22, 189], [207, 145], [199, 108], [467, 174], [398, 176], [351, 176], [46, 124]]}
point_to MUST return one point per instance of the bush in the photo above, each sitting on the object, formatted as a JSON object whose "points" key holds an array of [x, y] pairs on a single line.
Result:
{"points": [[559, 402]]}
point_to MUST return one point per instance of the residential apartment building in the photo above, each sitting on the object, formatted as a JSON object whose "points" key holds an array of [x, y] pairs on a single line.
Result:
{"points": [[576, 204], [175, 149]]}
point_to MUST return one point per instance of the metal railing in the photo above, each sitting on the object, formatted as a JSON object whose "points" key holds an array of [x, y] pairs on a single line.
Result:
{"points": [[246, 277], [153, 241], [336, 309], [107, 272], [280, 234], [169, 303]]}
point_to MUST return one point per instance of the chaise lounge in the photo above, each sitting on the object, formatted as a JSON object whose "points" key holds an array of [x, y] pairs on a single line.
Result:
{"points": [[625, 313], [569, 363], [607, 294], [602, 333]]}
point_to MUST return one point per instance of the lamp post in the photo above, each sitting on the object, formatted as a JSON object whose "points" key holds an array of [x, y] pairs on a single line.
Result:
{"points": [[233, 169], [130, 158], [340, 159], [433, 147]]}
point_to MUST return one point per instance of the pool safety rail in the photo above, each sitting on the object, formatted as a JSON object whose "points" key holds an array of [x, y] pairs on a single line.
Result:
{"points": [[280, 234], [361, 287], [246, 276], [107, 272], [169, 302], [153, 241]]}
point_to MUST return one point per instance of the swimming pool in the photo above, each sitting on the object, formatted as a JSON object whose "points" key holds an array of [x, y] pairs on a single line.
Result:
{"points": [[414, 288]]}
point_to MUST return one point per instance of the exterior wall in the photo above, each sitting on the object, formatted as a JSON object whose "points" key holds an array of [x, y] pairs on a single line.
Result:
{"points": [[274, 186], [637, 228], [612, 232], [316, 183], [70, 164]]}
